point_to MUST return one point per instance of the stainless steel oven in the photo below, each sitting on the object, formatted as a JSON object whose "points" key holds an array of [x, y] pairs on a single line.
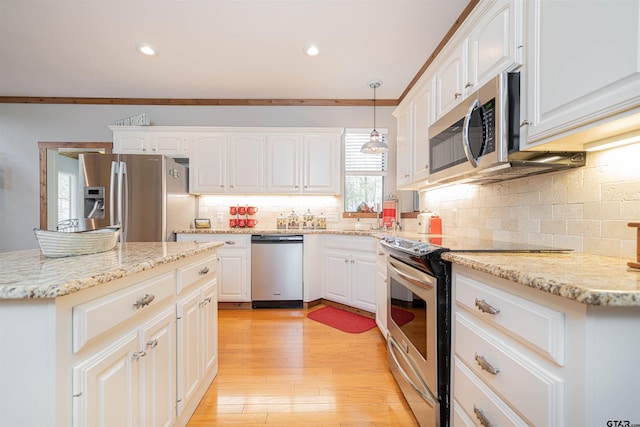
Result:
{"points": [[419, 328]]}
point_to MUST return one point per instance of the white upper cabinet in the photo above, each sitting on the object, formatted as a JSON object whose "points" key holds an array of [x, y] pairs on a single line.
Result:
{"points": [[488, 43], [208, 164], [261, 160], [283, 163], [136, 140], [246, 163], [321, 163], [583, 69], [451, 79], [495, 43], [405, 131], [423, 110]]}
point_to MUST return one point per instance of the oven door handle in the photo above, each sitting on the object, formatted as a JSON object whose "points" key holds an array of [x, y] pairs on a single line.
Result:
{"points": [[426, 394], [409, 277]]}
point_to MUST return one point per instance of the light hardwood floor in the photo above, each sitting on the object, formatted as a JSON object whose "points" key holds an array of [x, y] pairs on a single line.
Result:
{"points": [[278, 367]]}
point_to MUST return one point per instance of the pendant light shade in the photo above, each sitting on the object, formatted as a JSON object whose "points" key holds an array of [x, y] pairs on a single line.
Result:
{"points": [[375, 145]]}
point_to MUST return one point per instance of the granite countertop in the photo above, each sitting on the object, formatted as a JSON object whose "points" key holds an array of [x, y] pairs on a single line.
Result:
{"points": [[29, 274], [585, 278], [247, 230]]}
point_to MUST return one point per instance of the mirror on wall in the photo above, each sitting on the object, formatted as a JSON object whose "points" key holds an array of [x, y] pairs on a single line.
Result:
{"points": [[59, 181]]}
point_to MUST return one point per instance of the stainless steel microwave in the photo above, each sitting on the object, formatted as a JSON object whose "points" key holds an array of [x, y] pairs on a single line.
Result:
{"points": [[479, 139]]}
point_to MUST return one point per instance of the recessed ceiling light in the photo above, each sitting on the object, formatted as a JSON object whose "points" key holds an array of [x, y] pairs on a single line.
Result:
{"points": [[311, 50], [146, 49]]}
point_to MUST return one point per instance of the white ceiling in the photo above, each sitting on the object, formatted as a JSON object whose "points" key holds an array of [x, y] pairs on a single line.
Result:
{"points": [[217, 49]]}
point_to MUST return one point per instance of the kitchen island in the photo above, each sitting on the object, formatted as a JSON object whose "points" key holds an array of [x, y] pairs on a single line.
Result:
{"points": [[123, 337]]}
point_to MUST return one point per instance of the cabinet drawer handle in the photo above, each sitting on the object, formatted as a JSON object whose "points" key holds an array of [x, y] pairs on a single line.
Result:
{"points": [[485, 307], [468, 85], [138, 354], [229, 242], [525, 123], [204, 271], [482, 417], [205, 301], [457, 95], [486, 366], [144, 301], [153, 343]]}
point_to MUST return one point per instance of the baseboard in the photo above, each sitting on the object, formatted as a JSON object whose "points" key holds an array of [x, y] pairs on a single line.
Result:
{"points": [[234, 305], [345, 307]]}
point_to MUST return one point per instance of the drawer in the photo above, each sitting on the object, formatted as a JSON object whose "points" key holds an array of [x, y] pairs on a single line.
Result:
{"points": [[98, 316], [537, 326], [535, 393], [478, 401], [192, 273], [234, 241]]}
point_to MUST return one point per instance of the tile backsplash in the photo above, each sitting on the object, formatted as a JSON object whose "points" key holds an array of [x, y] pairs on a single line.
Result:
{"points": [[585, 209]]}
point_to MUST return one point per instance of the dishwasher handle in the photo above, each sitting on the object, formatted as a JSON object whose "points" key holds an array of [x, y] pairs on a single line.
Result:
{"points": [[276, 238]]}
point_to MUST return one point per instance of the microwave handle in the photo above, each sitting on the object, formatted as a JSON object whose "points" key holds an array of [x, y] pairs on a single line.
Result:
{"points": [[465, 134]]}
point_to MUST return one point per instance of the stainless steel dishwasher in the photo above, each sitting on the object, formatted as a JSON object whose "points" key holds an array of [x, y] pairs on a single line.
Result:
{"points": [[276, 271]]}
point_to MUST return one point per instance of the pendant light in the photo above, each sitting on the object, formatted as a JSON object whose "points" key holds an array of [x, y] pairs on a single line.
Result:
{"points": [[375, 144]]}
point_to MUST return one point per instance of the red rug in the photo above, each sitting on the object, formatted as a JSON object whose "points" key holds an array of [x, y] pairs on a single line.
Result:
{"points": [[401, 317], [342, 320]]}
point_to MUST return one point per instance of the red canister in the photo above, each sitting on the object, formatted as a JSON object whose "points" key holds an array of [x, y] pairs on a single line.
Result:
{"points": [[435, 225], [388, 213]]}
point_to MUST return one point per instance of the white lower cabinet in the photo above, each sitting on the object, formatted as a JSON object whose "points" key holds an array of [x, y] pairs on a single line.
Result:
{"points": [[234, 263], [115, 354], [349, 273], [526, 357], [106, 386], [381, 290], [197, 340]]}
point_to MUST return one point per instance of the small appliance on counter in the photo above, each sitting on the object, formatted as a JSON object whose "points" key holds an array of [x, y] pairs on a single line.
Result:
{"points": [[429, 223]]}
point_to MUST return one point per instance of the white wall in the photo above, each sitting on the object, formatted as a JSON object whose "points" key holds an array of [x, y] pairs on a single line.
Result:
{"points": [[22, 126]]}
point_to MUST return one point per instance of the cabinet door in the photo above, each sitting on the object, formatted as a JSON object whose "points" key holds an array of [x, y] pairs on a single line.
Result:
{"points": [[209, 318], [106, 389], [337, 275], [423, 118], [283, 163], [321, 168], [451, 77], [246, 163], [208, 164], [495, 42], [233, 275], [131, 142], [583, 64], [158, 370], [403, 146], [363, 281], [170, 143], [189, 347]]}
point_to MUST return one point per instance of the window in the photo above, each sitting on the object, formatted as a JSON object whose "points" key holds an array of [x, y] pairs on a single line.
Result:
{"points": [[364, 174], [66, 193]]}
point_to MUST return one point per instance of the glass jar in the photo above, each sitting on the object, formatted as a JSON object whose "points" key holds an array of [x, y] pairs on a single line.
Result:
{"points": [[281, 222], [308, 220], [293, 220], [321, 222]]}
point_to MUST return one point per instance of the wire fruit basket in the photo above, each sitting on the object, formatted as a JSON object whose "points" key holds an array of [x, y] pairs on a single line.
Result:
{"points": [[58, 244]]}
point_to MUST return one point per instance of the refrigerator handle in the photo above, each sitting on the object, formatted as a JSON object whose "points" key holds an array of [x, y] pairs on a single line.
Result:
{"points": [[125, 200], [112, 190]]}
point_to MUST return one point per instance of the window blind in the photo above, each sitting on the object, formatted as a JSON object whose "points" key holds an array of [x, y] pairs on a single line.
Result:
{"points": [[357, 163]]}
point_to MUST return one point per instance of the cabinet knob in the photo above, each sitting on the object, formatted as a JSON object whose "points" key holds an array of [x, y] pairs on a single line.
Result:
{"points": [[204, 271], [426, 167], [353, 262], [486, 366], [525, 122], [485, 307], [406, 175], [484, 421], [346, 260]]}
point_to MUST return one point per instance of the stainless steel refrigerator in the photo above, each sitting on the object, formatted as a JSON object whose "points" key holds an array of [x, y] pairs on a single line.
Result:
{"points": [[147, 195]]}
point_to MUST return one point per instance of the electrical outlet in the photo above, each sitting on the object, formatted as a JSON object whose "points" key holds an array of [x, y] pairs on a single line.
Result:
{"points": [[219, 218]]}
